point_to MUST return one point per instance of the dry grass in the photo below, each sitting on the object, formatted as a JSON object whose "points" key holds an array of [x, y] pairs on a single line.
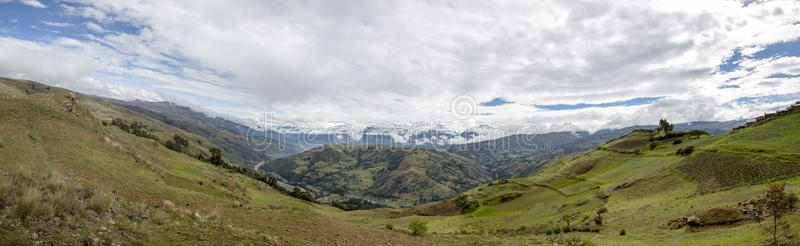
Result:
{"points": [[31, 196]]}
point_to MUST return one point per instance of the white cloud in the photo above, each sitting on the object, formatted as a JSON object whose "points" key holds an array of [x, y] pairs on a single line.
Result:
{"points": [[102, 88], [34, 61], [95, 27], [33, 3], [58, 64], [56, 24]]}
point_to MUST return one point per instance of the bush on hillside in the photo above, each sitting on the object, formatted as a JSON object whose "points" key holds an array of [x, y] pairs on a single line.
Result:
{"points": [[598, 219], [697, 133], [671, 135], [136, 128], [343, 207], [575, 241], [178, 144], [685, 151], [677, 141], [418, 228], [622, 232], [465, 204], [653, 145], [302, 195]]}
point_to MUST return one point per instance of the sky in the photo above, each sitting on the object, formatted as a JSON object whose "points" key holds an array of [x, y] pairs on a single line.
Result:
{"points": [[557, 64]]}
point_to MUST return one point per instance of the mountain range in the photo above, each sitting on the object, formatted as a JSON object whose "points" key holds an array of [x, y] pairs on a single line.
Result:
{"points": [[78, 169]]}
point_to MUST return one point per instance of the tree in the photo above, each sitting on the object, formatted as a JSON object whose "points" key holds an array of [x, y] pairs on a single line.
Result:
{"points": [[665, 126], [777, 202], [216, 157]]}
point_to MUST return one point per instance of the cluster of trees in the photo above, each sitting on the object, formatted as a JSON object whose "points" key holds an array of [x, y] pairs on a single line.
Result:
{"points": [[668, 129], [271, 181], [346, 207], [136, 128]]}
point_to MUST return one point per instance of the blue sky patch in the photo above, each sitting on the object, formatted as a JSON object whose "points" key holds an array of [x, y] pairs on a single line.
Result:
{"points": [[629, 102], [781, 49], [783, 75], [495, 102], [728, 86], [768, 99], [732, 63], [789, 48]]}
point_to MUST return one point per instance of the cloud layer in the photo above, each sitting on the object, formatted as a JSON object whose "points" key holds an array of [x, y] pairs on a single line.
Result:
{"points": [[375, 61]]}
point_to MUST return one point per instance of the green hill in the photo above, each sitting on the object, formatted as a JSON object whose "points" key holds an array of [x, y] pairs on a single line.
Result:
{"points": [[380, 174], [640, 193]]}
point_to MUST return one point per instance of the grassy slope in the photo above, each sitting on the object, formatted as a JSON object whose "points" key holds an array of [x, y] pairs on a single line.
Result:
{"points": [[644, 190], [38, 134]]}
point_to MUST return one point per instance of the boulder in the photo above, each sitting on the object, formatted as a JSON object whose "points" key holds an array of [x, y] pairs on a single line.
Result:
{"points": [[693, 220], [198, 217]]}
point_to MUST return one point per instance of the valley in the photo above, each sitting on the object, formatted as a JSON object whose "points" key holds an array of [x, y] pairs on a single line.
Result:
{"points": [[141, 191]]}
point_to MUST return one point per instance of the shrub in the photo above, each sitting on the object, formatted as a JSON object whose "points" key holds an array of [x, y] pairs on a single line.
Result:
{"points": [[98, 202], [389, 227], [342, 206], [685, 151], [418, 228], [135, 128], [677, 141], [30, 205], [67, 202], [598, 220], [302, 195], [697, 133], [602, 210], [575, 241], [622, 232], [653, 145], [467, 205]]}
